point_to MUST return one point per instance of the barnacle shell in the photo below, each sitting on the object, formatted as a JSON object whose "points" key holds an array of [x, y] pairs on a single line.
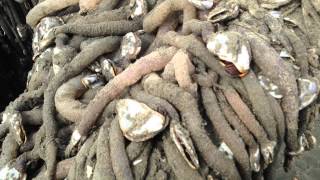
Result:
{"points": [[271, 88], [39, 41], [202, 4], [130, 46], [224, 148], [138, 8], [181, 138], [95, 67], [15, 120], [137, 121], [225, 10], [272, 4], [11, 173], [308, 91], [233, 51], [93, 81], [107, 68]]}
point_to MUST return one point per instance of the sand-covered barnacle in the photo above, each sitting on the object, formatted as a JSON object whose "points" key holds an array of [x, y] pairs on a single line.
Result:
{"points": [[225, 10], [181, 138], [308, 91], [273, 4], [39, 41], [130, 46], [138, 8], [9, 171], [139, 122], [202, 4], [233, 51]]}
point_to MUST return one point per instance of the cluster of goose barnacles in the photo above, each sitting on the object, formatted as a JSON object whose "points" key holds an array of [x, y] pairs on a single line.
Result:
{"points": [[129, 90]]}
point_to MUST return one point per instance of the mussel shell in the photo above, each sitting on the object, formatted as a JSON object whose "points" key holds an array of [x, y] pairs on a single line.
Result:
{"points": [[308, 91], [137, 121]]}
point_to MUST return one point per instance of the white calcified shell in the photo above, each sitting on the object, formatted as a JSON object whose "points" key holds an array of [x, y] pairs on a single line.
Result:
{"points": [[308, 91], [11, 173], [38, 41], [225, 10], [130, 45], [137, 121], [202, 4], [14, 118], [271, 88], [272, 4], [231, 47], [138, 8], [107, 68], [224, 148]]}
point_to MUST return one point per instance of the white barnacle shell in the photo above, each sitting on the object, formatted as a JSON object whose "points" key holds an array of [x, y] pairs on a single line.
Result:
{"points": [[39, 41], [231, 47], [137, 121], [11, 173], [202, 4], [107, 68], [273, 4], [130, 45], [270, 87], [308, 91], [224, 148], [92, 81], [138, 8], [14, 118]]}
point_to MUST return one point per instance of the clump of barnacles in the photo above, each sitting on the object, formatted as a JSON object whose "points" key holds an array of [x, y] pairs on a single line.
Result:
{"points": [[128, 90]]}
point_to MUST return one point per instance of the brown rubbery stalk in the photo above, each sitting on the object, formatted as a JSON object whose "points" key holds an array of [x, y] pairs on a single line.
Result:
{"points": [[248, 139], [246, 116], [81, 61], [196, 48], [120, 27], [119, 158], [152, 62], [224, 131], [188, 107], [45, 8], [260, 105], [66, 101], [160, 13]]}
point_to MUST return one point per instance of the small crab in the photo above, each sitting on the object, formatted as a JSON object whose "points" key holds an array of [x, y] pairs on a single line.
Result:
{"points": [[181, 138], [225, 10], [130, 46], [233, 51], [139, 122], [202, 4]]}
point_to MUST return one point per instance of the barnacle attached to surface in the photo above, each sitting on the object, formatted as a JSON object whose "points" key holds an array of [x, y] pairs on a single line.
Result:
{"points": [[130, 46], [224, 148], [10, 172], [272, 4], [107, 68], [138, 8], [202, 4], [181, 138], [14, 118], [225, 10], [93, 81], [308, 91], [233, 51], [40, 42], [270, 87], [137, 121]]}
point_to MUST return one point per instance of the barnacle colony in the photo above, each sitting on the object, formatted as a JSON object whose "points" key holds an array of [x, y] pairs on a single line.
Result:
{"points": [[233, 52], [137, 121]]}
